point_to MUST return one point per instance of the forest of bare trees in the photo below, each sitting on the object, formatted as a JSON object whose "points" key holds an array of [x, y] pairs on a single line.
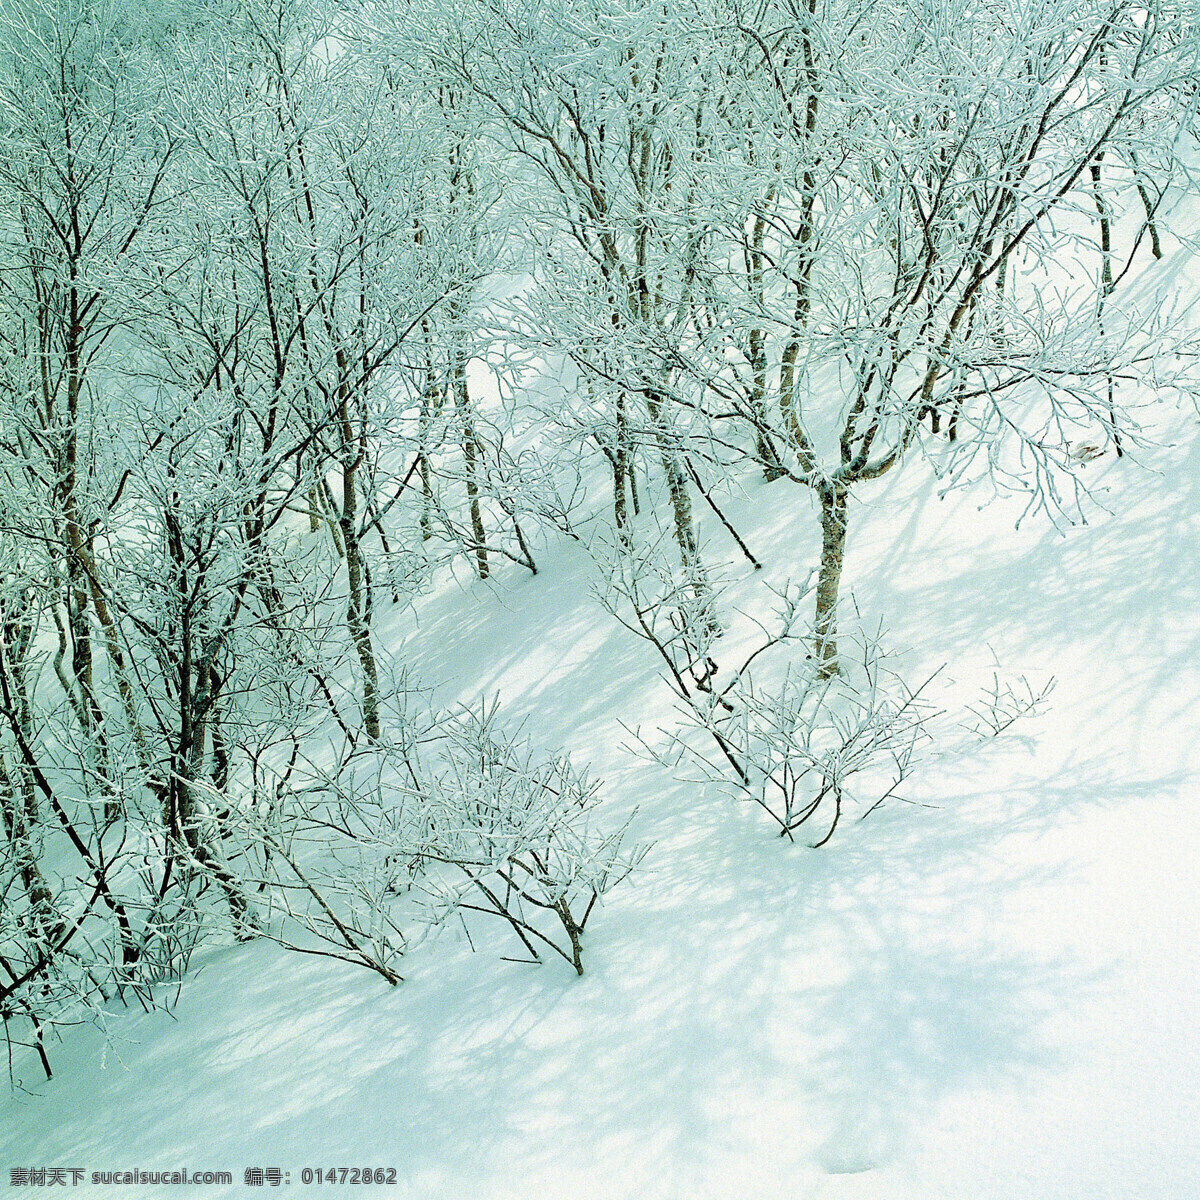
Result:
{"points": [[281, 282]]}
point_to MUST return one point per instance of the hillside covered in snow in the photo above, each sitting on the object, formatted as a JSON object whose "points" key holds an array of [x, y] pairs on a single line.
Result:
{"points": [[600, 602]]}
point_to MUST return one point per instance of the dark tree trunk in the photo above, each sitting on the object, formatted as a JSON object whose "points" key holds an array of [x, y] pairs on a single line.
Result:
{"points": [[833, 551]]}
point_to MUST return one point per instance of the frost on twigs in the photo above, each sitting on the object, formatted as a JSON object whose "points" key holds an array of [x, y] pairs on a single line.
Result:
{"points": [[515, 831], [317, 844], [776, 729], [646, 595], [804, 746], [445, 816], [1004, 702]]}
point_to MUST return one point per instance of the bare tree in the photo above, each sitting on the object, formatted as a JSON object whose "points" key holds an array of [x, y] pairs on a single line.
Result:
{"points": [[901, 213], [317, 171], [85, 153], [603, 105]]}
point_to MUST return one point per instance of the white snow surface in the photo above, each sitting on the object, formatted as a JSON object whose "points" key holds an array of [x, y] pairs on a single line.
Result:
{"points": [[988, 994]]}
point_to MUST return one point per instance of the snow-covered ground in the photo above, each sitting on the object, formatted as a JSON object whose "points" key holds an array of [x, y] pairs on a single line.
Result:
{"points": [[990, 993]]}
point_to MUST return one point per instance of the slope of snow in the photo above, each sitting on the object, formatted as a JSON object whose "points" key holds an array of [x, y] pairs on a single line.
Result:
{"points": [[987, 993]]}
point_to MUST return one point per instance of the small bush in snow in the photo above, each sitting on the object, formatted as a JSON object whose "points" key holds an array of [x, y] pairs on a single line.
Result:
{"points": [[516, 829], [781, 730], [445, 817], [798, 749]]}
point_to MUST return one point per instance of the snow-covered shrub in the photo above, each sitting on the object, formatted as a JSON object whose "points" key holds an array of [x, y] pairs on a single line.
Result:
{"points": [[800, 748], [447, 814], [516, 829], [646, 595], [321, 847], [779, 729]]}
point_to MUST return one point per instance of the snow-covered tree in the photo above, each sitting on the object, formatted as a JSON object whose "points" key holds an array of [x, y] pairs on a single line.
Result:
{"points": [[902, 225]]}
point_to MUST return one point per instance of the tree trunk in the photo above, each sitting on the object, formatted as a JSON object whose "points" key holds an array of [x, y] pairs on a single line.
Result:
{"points": [[356, 605], [184, 797], [681, 513], [833, 551], [1106, 284], [620, 468], [18, 817], [471, 456]]}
